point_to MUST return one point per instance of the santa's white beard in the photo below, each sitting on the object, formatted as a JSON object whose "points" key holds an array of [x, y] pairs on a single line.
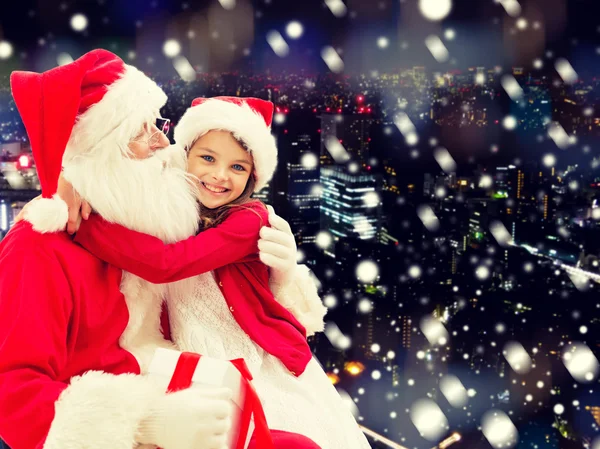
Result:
{"points": [[153, 195]]}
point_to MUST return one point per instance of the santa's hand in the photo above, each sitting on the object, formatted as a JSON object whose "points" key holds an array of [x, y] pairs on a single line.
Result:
{"points": [[277, 248], [78, 208], [188, 419]]}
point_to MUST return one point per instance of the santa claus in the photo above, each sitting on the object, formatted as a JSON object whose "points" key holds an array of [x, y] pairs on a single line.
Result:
{"points": [[75, 332]]}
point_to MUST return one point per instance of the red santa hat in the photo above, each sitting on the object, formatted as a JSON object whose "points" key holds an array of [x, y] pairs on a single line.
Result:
{"points": [[248, 119], [94, 102]]}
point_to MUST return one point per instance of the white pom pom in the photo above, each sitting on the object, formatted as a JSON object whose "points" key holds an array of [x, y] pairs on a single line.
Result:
{"points": [[47, 214]]}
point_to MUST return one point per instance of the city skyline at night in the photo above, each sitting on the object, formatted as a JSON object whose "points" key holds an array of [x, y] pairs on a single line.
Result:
{"points": [[447, 202]]}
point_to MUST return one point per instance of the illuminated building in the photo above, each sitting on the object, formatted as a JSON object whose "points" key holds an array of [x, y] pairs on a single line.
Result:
{"points": [[353, 133], [303, 192], [344, 211]]}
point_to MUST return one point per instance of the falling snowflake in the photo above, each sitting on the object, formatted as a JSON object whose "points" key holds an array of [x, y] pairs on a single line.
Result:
{"points": [[449, 34], [371, 199], [558, 134], [509, 122], [279, 118], [64, 59], [499, 430], [79, 22], [538, 64], [336, 337], [517, 357], [428, 217], [185, 70], [434, 330], [437, 48], [367, 271], [482, 272], [227, 4], [294, 29], [435, 10], [330, 301], [278, 43], [337, 7], [376, 375], [454, 391], [512, 87], [383, 42], [336, 150], [411, 140], [6, 50], [581, 362], [566, 71], [444, 159], [171, 48], [406, 128], [522, 23], [549, 160], [559, 409], [375, 348], [309, 161], [365, 305], [486, 181], [500, 233], [429, 419], [332, 59], [512, 7], [415, 271], [324, 239]]}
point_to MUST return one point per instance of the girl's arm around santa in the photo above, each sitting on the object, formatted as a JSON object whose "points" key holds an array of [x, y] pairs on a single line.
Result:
{"points": [[232, 241]]}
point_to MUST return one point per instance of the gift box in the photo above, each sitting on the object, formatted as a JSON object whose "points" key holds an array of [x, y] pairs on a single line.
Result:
{"points": [[180, 370]]}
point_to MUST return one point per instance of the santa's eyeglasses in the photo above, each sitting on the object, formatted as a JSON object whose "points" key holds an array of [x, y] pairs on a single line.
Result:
{"points": [[163, 125]]}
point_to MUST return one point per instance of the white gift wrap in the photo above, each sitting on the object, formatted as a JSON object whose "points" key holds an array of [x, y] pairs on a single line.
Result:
{"points": [[209, 373]]}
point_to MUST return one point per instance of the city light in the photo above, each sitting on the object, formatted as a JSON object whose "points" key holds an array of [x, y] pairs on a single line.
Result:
{"points": [[24, 162], [354, 368]]}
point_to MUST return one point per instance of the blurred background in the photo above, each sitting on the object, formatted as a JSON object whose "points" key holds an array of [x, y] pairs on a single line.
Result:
{"points": [[439, 166]]}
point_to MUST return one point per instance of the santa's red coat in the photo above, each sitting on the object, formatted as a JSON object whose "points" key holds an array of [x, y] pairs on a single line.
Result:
{"points": [[61, 314]]}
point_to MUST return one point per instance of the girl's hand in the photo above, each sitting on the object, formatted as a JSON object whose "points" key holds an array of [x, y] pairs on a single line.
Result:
{"points": [[78, 208], [277, 248]]}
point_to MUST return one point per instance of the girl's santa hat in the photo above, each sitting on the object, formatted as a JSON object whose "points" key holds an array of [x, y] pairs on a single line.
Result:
{"points": [[92, 106], [248, 119]]}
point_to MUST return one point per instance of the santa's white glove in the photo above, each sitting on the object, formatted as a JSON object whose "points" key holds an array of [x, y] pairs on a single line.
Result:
{"points": [[188, 419], [277, 249]]}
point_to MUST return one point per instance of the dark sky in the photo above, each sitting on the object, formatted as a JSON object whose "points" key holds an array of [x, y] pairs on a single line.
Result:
{"points": [[570, 28]]}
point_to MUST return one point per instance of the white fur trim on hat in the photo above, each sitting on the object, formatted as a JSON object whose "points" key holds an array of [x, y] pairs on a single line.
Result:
{"points": [[130, 102], [243, 122], [47, 214]]}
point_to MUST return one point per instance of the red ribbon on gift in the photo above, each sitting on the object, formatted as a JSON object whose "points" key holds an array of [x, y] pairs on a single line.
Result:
{"points": [[182, 379]]}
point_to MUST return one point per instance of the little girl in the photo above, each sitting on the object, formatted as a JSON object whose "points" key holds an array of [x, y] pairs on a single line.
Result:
{"points": [[231, 154]]}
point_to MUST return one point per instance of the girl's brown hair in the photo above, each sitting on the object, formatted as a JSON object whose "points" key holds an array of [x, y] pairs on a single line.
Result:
{"points": [[210, 218]]}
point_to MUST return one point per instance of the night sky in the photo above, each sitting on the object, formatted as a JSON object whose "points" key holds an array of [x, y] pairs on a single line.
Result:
{"points": [[569, 29]]}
